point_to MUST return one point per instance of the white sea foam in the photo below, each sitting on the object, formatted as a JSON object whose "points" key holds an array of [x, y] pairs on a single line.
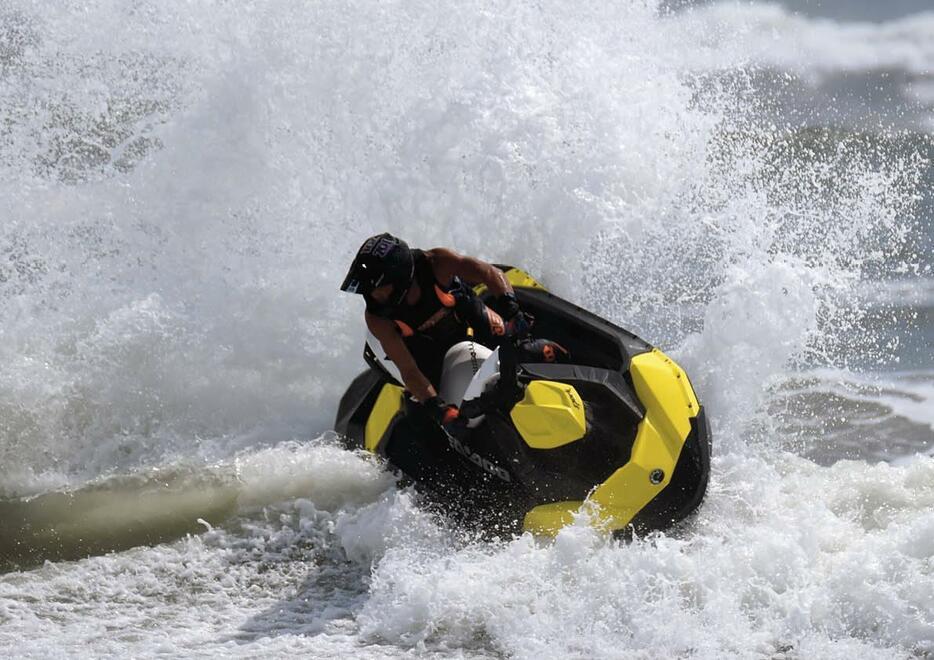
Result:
{"points": [[858, 71], [827, 562], [791, 563], [767, 33]]}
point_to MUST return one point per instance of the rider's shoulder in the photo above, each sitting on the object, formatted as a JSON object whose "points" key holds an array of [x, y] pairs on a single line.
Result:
{"points": [[442, 254], [444, 262]]}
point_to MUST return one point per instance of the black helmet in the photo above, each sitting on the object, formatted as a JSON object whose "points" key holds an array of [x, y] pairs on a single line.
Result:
{"points": [[381, 260]]}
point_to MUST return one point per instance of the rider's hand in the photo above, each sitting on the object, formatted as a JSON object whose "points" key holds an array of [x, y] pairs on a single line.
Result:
{"points": [[439, 411], [506, 305], [518, 323]]}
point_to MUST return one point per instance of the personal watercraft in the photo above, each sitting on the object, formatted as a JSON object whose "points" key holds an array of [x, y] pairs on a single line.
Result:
{"points": [[619, 428]]}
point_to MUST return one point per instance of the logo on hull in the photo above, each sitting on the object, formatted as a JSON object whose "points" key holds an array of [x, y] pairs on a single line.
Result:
{"points": [[483, 463]]}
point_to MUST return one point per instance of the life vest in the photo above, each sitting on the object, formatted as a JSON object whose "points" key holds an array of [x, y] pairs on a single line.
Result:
{"points": [[433, 314]]}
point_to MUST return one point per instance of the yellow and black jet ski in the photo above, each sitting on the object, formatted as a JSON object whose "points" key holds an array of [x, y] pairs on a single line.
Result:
{"points": [[619, 428]]}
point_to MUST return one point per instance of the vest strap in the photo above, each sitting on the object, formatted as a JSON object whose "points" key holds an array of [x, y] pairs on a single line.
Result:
{"points": [[447, 299], [404, 328]]}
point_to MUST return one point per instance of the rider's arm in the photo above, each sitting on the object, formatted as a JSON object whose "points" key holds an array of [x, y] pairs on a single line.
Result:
{"points": [[396, 350], [448, 264]]}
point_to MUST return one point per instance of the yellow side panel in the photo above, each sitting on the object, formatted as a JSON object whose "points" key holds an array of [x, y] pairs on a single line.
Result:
{"points": [[670, 404], [388, 405], [517, 278], [548, 519], [550, 415], [632, 486], [665, 392]]}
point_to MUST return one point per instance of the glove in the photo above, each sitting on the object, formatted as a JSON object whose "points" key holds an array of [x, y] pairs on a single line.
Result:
{"points": [[440, 412], [542, 350], [506, 305], [518, 323]]}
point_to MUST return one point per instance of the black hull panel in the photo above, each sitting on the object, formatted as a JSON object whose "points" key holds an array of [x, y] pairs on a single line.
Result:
{"points": [[492, 477]]}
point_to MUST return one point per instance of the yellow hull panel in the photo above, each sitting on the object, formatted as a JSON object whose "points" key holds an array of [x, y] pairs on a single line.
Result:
{"points": [[670, 403], [388, 405]]}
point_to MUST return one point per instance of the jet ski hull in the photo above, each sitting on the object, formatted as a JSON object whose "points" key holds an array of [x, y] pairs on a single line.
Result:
{"points": [[642, 460]]}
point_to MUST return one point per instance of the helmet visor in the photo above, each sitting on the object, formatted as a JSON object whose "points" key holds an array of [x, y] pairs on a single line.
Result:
{"points": [[362, 278]]}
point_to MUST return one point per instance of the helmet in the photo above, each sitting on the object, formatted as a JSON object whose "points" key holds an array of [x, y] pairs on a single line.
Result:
{"points": [[381, 260]]}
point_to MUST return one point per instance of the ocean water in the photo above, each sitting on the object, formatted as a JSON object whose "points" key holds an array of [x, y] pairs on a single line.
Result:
{"points": [[747, 186]]}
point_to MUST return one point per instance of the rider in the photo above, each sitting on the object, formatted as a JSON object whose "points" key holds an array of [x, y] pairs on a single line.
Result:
{"points": [[419, 303]]}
